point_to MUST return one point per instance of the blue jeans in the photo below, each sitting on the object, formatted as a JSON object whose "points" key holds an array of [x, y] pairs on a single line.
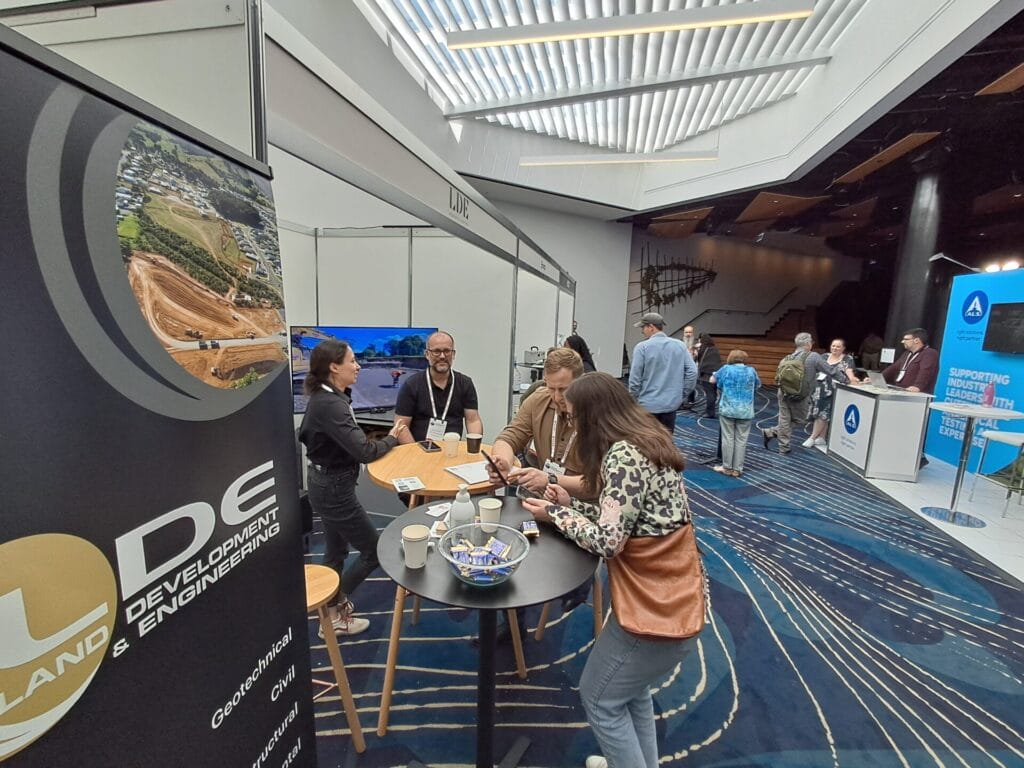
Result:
{"points": [[333, 497], [616, 693]]}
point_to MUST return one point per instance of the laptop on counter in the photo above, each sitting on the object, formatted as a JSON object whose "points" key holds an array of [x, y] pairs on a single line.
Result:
{"points": [[878, 380]]}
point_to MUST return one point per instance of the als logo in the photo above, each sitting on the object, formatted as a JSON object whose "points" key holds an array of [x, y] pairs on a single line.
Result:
{"points": [[975, 307], [58, 602], [851, 419]]}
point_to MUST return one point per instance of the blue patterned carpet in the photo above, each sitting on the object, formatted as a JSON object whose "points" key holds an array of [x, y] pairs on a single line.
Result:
{"points": [[845, 632]]}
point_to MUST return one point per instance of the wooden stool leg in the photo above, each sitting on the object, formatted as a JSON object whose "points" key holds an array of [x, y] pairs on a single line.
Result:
{"points": [[331, 641], [415, 610], [598, 603], [517, 643], [389, 669], [542, 623]]}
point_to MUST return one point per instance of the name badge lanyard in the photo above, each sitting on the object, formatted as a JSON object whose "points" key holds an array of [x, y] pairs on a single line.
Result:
{"points": [[554, 434], [447, 405], [908, 361]]}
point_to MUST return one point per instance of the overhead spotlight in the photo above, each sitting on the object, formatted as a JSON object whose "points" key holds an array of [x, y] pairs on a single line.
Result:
{"points": [[991, 267], [1010, 265]]}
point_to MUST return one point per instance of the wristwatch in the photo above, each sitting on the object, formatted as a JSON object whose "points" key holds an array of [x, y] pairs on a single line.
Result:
{"points": [[552, 478]]}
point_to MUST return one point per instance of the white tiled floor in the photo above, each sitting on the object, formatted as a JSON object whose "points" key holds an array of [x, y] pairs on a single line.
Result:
{"points": [[1001, 540]]}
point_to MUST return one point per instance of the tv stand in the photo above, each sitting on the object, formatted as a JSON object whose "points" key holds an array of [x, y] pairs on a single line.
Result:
{"points": [[377, 417]]}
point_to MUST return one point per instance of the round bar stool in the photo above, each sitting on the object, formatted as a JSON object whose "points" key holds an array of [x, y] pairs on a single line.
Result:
{"points": [[322, 584], [1016, 481]]}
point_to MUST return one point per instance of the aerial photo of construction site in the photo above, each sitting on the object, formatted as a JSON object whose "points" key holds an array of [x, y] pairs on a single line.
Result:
{"points": [[198, 237]]}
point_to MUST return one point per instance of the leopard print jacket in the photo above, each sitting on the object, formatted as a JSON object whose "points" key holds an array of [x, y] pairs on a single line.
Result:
{"points": [[637, 499]]}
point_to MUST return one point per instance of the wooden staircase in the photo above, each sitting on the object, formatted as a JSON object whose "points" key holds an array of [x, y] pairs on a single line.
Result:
{"points": [[764, 354]]}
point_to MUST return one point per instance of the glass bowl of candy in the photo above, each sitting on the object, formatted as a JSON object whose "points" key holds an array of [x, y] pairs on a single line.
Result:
{"points": [[483, 555]]}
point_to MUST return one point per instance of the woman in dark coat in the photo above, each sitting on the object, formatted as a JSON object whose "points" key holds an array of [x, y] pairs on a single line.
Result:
{"points": [[709, 360]]}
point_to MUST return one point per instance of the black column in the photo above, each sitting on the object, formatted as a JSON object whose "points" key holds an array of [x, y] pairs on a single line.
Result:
{"points": [[913, 301]]}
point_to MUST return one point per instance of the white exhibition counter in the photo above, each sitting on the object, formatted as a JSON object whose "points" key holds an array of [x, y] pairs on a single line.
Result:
{"points": [[878, 432]]}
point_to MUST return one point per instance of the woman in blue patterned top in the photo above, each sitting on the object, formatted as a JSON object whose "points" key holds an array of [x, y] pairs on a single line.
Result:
{"points": [[737, 382], [630, 464]]}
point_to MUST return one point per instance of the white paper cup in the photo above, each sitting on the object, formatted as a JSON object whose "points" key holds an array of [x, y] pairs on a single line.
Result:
{"points": [[451, 444], [490, 513], [414, 542]]}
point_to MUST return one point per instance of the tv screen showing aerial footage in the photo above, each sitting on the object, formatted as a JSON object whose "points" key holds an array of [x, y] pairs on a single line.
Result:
{"points": [[1005, 331], [387, 356]]}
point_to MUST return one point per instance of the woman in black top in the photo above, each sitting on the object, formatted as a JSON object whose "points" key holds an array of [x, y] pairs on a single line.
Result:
{"points": [[336, 447], [709, 360], [579, 346]]}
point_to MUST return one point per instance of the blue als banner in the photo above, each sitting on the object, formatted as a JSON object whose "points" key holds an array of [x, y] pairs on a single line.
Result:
{"points": [[984, 342]]}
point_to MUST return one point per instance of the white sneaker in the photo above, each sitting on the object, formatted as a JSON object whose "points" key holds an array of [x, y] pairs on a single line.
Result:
{"points": [[808, 443], [345, 622], [821, 441], [596, 761], [720, 469]]}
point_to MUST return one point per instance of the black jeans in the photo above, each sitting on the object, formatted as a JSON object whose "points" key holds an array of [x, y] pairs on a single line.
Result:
{"points": [[346, 524], [710, 398], [668, 420]]}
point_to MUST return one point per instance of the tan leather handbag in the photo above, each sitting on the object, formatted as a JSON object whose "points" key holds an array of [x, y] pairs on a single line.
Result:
{"points": [[658, 585]]}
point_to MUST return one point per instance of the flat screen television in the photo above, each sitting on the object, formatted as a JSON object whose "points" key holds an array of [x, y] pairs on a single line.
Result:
{"points": [[1005, 331], [387, 355]]}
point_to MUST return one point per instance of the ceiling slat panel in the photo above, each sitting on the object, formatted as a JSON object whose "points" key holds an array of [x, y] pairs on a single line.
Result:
{"points": [[647, 121]]}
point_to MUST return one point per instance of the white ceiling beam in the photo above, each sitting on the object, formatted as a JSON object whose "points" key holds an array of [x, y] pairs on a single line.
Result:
{"points": [[619, 158], [634, 24], [643, 85]]}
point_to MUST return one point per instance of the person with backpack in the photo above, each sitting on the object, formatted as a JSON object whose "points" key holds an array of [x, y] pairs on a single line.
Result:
{"points": [[794, 381]]}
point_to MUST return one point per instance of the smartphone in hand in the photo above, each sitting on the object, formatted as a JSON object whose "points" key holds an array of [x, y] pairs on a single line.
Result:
{"points": [[429, 446]]}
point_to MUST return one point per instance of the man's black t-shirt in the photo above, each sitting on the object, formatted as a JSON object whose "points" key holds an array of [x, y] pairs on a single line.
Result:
{"points": [[413, 400]]}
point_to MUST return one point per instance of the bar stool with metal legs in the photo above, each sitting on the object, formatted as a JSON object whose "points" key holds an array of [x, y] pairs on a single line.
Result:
{"points": [[322, 584], [1016, 480]]}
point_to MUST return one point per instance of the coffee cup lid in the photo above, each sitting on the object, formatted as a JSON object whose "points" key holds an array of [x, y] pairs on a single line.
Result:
{"points": [[415, 532]]}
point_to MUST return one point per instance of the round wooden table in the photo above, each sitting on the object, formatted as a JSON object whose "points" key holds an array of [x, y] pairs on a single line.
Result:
{"points": [[412, 461]]}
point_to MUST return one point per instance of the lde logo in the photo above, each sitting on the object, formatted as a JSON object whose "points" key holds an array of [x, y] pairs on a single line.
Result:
{"points": [[58, 601], [975, 307], [851, 419]]}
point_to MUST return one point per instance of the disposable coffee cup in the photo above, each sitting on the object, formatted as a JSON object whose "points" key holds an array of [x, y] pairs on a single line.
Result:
{"points": [[490, 513], [473, 441], [451, 444], [414, 542]]}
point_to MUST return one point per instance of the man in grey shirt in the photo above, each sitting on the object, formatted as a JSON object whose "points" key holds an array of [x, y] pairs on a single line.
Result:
{"points": [[793, 407]]}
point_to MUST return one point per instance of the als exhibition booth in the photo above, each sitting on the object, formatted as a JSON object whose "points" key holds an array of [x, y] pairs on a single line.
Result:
{"points": [[152, 607], [983, 343]]}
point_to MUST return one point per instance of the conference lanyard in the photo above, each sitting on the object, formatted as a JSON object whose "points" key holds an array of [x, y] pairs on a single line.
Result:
{"points": [[908, 361], [554, 434], [430, 391]]}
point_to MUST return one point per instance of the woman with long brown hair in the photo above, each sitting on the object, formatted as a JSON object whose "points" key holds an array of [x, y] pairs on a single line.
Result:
{"points": [[630, 464]]}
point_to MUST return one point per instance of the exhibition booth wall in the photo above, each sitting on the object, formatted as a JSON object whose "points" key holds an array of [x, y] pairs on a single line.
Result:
{"points": [[983, 342], [152, 607]]}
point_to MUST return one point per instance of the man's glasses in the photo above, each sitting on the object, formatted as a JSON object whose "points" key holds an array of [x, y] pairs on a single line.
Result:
{"points": [[440, 352]]}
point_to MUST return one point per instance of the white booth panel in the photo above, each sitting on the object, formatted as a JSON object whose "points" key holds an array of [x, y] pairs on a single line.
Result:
{"points": [[566, 306], [187, 57], [364, 278], [298, 264], [536, 305], [468, 292]]}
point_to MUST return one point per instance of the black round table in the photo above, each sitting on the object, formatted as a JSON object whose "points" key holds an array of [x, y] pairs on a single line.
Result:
{"points": [[554, 566]]}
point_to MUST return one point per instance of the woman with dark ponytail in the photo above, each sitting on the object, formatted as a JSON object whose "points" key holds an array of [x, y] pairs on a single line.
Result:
{"points": [[336, 446]]}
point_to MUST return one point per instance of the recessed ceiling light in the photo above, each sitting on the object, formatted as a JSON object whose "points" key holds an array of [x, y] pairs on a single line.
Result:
{"points": [[1017, 194], [991, 267], [1010, 265]]}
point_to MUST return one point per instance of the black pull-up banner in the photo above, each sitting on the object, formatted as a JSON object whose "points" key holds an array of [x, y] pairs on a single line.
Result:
{"points": [[152, 608]]}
